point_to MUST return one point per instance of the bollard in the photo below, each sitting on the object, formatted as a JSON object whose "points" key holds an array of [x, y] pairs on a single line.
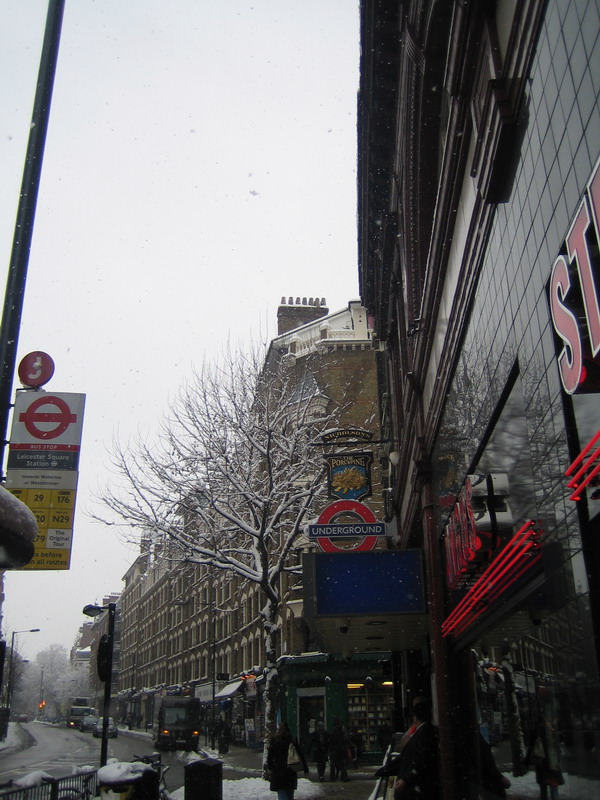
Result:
{"points": [[204, 779]]}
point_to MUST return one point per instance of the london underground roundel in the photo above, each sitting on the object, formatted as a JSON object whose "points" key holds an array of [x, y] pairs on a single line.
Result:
{"points": [[366, 529]]}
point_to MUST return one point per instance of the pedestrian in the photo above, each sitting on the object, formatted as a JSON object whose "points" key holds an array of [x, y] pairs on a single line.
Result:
{"points": [[319, 744], [223, 738], [493, 783], [544, 754], [384, 736], [416, 766], [339, 748], [282, 778]]}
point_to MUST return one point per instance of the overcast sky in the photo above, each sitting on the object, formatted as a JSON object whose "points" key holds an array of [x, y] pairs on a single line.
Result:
{"points": [[200, 164]]}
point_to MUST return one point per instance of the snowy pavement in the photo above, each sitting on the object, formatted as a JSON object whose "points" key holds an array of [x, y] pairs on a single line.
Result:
{"points": [[360, 787], [16, 738]]}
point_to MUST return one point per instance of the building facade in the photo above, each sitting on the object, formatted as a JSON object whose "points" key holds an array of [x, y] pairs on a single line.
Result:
{"points": [[188, 629], [479, 138]]}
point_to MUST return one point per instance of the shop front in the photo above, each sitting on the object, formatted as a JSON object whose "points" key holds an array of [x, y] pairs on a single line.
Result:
{"points": [[520, 526], [317, 687], [234, 709]]}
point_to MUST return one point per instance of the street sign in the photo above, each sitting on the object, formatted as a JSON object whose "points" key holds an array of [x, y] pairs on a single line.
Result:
{"points": [[48, 424], [36, 369], [43, 464], [326, 530]]}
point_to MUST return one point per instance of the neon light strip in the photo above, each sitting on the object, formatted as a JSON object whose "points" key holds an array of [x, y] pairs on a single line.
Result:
{"points": [[478, 588], [468, 621], [495, 579], [574, 482], [466, 618], [577, 493], [583, 453], [586, 465]]}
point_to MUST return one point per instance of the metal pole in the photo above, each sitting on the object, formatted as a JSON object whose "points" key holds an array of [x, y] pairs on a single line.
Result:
{"points": [[9, 686], [108, 683], [41, 700], [17, 273], [10, 673], [214, 664]]}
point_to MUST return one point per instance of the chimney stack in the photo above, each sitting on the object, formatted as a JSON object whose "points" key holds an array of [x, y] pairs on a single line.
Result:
{"points": [[292, 314]]}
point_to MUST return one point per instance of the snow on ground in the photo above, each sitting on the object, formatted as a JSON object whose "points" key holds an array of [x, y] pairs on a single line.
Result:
{"points": [[524, 788], [13, 737], [258, 789]]}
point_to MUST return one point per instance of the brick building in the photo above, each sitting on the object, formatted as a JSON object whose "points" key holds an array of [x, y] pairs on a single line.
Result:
{"points": [[185, 629]]}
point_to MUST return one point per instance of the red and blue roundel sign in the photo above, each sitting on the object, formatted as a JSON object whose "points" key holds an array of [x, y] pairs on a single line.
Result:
{"points": [[326, 530]]}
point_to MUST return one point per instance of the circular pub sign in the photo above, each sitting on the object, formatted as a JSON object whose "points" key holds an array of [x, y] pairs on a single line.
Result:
{"points": [[365, 529], [36, 369]]}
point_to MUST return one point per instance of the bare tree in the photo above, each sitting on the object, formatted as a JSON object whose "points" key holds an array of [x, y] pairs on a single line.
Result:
{"points": [[233, 478]]}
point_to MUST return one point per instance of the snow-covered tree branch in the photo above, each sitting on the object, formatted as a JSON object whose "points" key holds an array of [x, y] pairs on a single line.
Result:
{"points": [[234, 476]]}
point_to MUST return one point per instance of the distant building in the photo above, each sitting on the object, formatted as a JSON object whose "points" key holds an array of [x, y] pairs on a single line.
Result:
{"points": [[187, 630]]}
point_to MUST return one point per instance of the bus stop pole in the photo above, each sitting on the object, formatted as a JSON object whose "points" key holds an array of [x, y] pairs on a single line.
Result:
{"points": [[19, 261]]}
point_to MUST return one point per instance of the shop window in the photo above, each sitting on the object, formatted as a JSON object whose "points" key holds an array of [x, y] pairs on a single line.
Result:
{"points": [[369, 715]]}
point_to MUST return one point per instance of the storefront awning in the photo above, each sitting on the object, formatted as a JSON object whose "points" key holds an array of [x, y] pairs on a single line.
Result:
{"points": [[228, 690]]}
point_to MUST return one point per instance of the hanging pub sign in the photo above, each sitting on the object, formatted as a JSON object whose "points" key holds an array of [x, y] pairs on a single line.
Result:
{"points": [[574, 296], [349, 475], [346, 436]]}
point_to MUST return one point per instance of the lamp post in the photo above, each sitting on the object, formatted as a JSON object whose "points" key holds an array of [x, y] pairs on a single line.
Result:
{"points": [[9, 685], [104, 667], [213, 667]]}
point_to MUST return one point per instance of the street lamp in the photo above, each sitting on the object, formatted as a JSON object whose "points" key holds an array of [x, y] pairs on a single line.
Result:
{"points": [[104, 667], [9, 685]]}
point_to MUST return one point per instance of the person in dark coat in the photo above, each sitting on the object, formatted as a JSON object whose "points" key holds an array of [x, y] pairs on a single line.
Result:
{"points": [[339, 745], [283, 780], [319, 745], [493, 783], [416, 767], [544, 754]]}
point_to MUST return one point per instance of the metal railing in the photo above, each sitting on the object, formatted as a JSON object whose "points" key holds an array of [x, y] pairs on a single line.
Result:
{"points": [[384, 789], [70, 787]]}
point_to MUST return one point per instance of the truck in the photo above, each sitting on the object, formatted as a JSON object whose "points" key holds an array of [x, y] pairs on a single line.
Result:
{"points": [[77, 709], [177, 723]]}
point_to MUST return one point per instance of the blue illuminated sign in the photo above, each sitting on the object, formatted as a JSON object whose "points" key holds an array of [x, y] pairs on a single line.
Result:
{"points": [[376, 582]]}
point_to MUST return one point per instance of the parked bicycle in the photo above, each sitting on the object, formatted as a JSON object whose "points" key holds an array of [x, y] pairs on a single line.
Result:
{"points": [[154, 760]]}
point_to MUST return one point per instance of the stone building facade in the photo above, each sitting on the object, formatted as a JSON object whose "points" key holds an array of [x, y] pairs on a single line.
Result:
{"points": [[187, 630]]}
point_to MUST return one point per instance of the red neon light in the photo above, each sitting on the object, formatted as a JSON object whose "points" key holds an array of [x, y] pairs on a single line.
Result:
{"points": [[489, 586], [586, 466], [466, 546], [496, 579]]}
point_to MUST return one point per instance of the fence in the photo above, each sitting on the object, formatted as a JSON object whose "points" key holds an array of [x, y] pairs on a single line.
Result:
{"points": [[73, 787]]}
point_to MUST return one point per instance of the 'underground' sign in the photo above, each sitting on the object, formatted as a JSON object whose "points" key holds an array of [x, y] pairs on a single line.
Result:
{"points": [[327, 530]]}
